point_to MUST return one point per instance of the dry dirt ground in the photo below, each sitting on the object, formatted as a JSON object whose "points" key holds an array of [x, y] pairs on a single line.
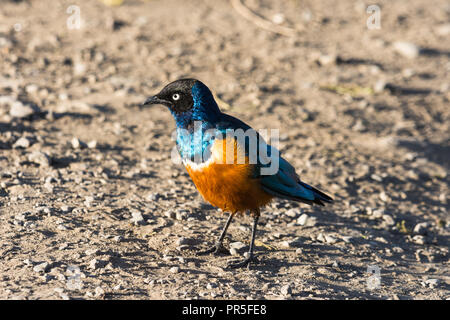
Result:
{"points": [[92, 206]]}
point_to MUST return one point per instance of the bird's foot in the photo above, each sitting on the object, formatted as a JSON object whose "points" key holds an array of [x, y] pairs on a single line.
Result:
{"points": [[235, 264], [215, 250]]}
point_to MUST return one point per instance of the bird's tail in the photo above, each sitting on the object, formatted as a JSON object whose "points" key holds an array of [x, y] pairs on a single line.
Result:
{"points": [[287, 185], [298, 191], [319, 196]]}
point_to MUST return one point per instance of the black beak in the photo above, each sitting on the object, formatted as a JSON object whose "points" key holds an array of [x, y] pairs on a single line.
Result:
{"points": [[155, 100]]}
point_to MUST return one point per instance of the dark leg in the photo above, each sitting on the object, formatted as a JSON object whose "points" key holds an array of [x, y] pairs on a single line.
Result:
{"points": [[218, 246], [239, 264]]}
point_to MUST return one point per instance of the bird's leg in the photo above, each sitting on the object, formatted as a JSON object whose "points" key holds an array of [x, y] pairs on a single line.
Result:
{"points": [[239, 264], [218, 246]]}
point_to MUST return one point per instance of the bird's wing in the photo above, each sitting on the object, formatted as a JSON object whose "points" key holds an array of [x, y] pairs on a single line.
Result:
{"points": [[249, 149], [286, 184], [278, 179]]}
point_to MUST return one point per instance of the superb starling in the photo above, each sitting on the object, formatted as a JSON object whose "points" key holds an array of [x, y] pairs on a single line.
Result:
{"points": [[233, 174]]}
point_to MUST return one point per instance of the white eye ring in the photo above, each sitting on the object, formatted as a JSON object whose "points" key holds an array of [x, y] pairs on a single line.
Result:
{"points": [[176, 96]]}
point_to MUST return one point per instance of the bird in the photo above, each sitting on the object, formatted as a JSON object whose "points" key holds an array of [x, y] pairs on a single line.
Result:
{"points": [[220, 165]]}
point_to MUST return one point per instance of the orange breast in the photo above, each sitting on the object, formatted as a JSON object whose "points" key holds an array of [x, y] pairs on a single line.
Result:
{"points": [[229, 186]]}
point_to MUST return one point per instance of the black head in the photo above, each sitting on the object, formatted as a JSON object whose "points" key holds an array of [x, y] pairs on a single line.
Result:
{"points": [[189, 100], [176, 95]]}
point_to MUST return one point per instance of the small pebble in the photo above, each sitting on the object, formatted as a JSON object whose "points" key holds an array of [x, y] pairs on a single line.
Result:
{"points": [[443, 29], [302, 219], [22, 143], [407, 49], [293, 213], [42, 267], [388, 219], [321, 237], [418, 239], [211, 285], [286, 290], [99, 292], [184, 241], [237, 248], [77, 143], [432, 283], [330, 239], [421, 228], [96, 264], [91, 252], [137, 218], [92, 144], [40, 158], [174, 269], [170, 214]]}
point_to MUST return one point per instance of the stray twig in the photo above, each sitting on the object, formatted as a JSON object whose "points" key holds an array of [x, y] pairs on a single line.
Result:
{"points": [[353, 91], [260, 22]]}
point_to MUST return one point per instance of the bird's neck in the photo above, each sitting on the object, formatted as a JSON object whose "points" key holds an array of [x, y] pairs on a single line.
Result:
{"points": [[196, 127]]}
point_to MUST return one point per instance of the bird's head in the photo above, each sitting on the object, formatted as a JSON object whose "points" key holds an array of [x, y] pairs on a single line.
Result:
{"points": [[188, 100]]}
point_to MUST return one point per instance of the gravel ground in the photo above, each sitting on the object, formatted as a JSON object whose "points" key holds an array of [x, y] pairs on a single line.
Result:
{"points": [[92, 206]]}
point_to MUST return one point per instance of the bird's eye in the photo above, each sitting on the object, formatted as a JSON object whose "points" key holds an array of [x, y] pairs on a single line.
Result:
{"points": [[176, 96]]}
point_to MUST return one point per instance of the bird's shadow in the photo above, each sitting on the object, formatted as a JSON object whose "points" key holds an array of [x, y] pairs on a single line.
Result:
{"points": [[15, 127], [437, 153], [432, 52]]}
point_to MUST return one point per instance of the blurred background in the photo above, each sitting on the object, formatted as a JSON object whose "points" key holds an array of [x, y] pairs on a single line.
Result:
{"points": [[359, 90]]}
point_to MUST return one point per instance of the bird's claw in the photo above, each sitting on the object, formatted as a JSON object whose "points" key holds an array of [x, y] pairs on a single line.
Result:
{"points": [[235, 264], [215, 250]]}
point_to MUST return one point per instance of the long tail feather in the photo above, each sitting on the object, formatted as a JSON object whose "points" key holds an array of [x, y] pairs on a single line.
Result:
{"points": [[319, 196]]}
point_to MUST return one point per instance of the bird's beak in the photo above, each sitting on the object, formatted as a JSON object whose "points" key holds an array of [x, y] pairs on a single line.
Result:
{"points": [[155, 100]]}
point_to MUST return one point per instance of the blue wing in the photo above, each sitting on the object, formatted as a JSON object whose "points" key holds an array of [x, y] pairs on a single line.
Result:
{"points": [[285, 183]]}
